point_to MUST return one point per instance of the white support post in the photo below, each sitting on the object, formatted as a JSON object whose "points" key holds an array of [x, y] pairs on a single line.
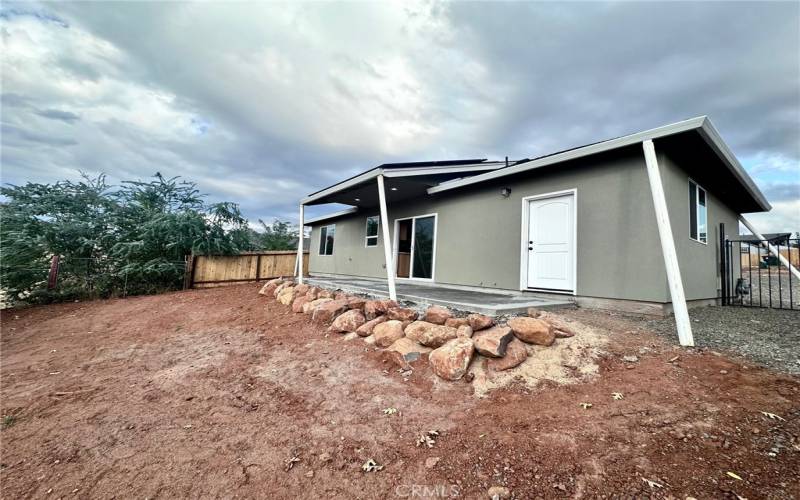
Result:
{"points": [[771, 248], [668, 247], [387, 242], [300, 234]]}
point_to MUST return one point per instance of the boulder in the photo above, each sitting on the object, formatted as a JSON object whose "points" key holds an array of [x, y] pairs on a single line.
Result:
{"points": [[348, 321], [404, 351], [429, 334], [356, 302], [387, 333], [286, 296], [340, 295], [375, 308], [561, 330], [301, 289], [479, 322], [366, 329], [456, 322], [326, 312], [280, 287], [516, 353], [299, 302], [401, 314], [563, 334], [532, 331], [437, 315], [325, 294], [312, 293], [451, 360], [464, 331], [270, 286], [533, 312], [493, 342], [309, 307]]}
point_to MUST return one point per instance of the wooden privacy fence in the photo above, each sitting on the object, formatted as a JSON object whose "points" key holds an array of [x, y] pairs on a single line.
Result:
{"points": [[751, 258], [217, 270]]}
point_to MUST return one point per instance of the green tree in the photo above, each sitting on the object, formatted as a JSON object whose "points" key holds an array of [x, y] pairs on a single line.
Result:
{"points": [[131, 239], [280, 235]]}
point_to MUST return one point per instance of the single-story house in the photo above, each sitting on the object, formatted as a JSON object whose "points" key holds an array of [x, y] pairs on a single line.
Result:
{"points": [[609, 223]]}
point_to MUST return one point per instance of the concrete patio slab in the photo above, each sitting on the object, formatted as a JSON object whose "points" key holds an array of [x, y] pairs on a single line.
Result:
{"points": [[492, 303]]}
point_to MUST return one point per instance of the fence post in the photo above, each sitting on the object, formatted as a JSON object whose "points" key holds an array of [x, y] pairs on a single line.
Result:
{"points": [[188, 281]]}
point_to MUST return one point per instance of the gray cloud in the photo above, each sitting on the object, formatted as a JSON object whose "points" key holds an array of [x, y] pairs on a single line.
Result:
{"points": [[262, 103], [57, 114]]}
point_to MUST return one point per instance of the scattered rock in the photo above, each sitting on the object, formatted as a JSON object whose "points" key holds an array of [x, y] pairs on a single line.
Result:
{"points": [[456, 322], [429, 334], [493, 342], [431, 462], [532, 331], [324, 313], [437, 315], [516, 353], [563, 334], [464, 331], [325, 457], [404, 351], [387, 333], [499, 492], [348, 321], [309, 307], [365, 330], [401, 314], [451, 360], [630, 359], [479, 321], [299, 302]]}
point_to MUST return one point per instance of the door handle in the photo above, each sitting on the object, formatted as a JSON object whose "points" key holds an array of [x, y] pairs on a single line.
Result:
{"points": [[530, 248]]}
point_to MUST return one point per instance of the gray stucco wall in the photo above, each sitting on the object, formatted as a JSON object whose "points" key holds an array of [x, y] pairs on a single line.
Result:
{"points": [[618, 248], [479, 231], [699, 263]]}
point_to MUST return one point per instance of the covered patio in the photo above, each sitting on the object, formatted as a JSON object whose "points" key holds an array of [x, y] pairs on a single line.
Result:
{"points": [[492, 303]]}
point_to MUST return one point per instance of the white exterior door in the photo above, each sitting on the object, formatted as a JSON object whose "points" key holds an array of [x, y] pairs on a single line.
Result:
{"points": [[550, 243]]}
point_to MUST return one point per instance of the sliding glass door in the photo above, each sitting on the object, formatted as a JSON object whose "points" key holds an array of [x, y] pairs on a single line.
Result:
{"points": [[416, 245]]}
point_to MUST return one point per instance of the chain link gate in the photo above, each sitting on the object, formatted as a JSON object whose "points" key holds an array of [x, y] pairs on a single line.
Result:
{"points": [[752, 276]]}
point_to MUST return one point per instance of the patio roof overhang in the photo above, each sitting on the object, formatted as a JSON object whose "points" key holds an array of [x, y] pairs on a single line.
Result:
{"points": [[403, 180]]}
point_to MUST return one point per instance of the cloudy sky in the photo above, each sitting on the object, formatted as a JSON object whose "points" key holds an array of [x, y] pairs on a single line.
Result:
{"points": [[262, 103]]}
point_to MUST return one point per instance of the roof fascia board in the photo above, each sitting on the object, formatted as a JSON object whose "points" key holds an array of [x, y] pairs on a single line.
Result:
{"points": [[709, 133], [346, 211], [369, 174], [601, 147], [398, 172], [409, 172]]}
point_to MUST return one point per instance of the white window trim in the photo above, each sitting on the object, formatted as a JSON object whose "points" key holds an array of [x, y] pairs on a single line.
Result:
{"points": [[697, 187], [396, 246], [319, 240], [376, 237]]}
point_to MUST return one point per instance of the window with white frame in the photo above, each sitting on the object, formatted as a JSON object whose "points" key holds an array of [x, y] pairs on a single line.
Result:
{"points": [[372, 231], [698, 213], [326, 234]]}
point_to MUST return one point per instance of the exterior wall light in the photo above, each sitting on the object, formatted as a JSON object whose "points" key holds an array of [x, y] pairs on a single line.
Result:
{"points": [[506, 192]]}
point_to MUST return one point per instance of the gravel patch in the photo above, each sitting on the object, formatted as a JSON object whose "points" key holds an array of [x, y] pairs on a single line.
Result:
{"points": [[768, 337], [773, 288]]}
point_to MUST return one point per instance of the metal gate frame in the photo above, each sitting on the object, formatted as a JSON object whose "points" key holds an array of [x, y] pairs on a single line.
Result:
{"points": [[765, 275]]}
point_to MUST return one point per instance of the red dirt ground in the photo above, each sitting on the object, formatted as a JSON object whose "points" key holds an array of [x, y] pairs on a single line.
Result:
{"points": [[208, 393]]}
